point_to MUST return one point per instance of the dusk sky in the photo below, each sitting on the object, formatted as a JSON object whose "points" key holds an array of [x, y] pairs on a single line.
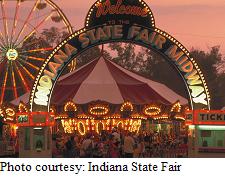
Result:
{"points": [[195, 23]]}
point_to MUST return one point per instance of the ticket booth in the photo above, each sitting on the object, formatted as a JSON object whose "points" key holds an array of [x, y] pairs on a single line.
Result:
{"points": [[206, 133], [35, 137]]}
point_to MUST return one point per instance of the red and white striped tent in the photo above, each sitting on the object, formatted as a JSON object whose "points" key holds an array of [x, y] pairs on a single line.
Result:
{"points": [[102, 79]]}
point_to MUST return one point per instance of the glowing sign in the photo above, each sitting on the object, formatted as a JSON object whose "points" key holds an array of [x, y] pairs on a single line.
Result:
{"points": [[146, 36], [112, 12], [12, 54], [22, 118], [45, 83], [211, 117], [208, 117], [106, 8]]}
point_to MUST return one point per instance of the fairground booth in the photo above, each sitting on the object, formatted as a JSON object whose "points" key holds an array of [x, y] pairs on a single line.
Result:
{"points": [[102, 95], [206, 132]]}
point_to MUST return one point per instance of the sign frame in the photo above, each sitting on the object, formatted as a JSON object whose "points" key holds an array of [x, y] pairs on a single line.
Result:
{"points": [[152, 38]]}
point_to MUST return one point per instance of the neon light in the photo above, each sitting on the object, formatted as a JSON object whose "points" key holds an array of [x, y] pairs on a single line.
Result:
{"points": [[211, 127], [122, 124], [12, 54], [36, 50], [176, 107], [127, 105], [43, 91], [29, 64], [10, 112], [99, 110], [152, 110], [103, 126], [25, 69], [32, 57], [191, 127], [38, 128], [4, 84], [79, 128], [14, 83], [70, 106], [105, 8], [22, 108], [22, 78], [1, 112]]}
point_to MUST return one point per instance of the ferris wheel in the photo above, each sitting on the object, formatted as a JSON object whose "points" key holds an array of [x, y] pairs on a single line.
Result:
{"points": [[29, 30]]}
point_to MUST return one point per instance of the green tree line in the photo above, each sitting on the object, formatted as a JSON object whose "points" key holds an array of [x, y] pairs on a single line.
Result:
{"points": [[149, 64]]}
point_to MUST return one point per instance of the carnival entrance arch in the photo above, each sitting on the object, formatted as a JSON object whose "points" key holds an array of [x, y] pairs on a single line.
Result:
{"points": [[68, 50], [119, 21]]}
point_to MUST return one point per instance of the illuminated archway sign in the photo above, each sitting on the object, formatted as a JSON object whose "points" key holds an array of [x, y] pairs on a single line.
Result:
{"points": [[119, 21]]}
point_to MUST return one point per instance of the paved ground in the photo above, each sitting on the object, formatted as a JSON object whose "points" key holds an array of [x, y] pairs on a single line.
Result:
{"points": [[210, 155]]}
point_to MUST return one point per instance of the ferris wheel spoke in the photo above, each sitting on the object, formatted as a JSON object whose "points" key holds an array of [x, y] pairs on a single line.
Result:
{"points": [[28, 64], [4, 85], [23, 46], [39, 17], [32, 43], [26, 21], [15, 19], [22, 78], [2, 67], [37, 50], [1, 60], [1, 49], [38, 41], [2, 46], [27, 71], [5, 23], [2, 39], [14, 81], [33, 58], [35, 29]]}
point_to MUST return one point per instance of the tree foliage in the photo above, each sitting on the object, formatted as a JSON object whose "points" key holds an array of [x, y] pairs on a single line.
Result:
{"points": [[149, 64], [153, 66], [209, 63]]}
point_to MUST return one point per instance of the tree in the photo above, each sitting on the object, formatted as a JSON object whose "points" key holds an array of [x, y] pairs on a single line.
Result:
{"points": [[208, 63], [149, 64], [159, 69], [53, 36], [152, 65], [88, 56]]}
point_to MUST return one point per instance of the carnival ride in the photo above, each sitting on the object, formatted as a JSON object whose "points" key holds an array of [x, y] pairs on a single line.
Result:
{"points": [[29, 31], [107, 96]]}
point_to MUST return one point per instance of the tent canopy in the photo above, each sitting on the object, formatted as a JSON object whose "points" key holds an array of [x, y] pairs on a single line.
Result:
{"points": [[102, 79]]}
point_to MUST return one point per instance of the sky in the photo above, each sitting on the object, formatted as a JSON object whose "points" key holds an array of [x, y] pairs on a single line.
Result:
{"points": [[195, 23]]}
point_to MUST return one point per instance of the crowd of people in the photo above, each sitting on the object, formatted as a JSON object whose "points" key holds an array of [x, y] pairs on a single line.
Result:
{"points": [[120, 144]]}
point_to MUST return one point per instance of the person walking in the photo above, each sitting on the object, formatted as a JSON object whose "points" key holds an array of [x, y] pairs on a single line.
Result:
{"points": [[128, 146], [87, 147]]}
